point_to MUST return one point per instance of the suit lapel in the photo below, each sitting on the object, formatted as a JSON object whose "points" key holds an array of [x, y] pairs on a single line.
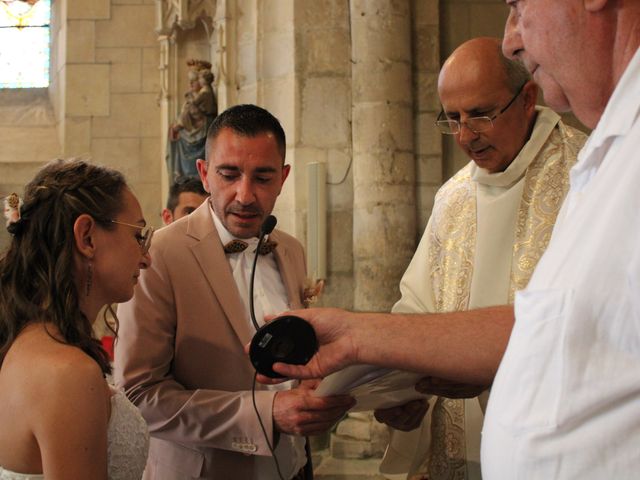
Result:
{"points": [[215, 267], [285, 265]]}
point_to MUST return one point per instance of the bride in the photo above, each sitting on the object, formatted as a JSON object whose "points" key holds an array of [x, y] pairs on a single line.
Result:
{"points": [[78, 243]]}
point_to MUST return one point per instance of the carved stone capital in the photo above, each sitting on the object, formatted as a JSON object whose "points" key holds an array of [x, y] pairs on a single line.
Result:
{"points": [[184, 14]]}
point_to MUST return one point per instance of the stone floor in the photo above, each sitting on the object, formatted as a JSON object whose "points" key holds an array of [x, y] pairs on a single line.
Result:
{"points": [[353, 451], [331, 468]]}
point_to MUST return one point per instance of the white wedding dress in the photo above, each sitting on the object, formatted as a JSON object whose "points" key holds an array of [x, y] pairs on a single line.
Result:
{"points": [[128, 443]]}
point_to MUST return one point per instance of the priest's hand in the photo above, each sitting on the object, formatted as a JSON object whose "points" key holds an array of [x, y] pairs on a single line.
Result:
{"points": [[405, 417], [337, 348]]}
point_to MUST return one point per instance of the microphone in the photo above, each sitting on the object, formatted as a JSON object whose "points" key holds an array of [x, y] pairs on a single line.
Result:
{"points": [[287, 339], [266, 228]]}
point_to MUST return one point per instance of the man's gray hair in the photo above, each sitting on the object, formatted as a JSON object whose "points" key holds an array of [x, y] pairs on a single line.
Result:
{"points": [[516, 73]]}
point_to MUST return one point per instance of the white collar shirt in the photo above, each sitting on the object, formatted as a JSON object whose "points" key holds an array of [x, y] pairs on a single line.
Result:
{"points": [[270, 294], [565, 403], [270, 298]]}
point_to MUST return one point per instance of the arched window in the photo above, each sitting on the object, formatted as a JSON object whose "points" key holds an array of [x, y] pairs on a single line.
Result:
{"points": [[24, 43]]}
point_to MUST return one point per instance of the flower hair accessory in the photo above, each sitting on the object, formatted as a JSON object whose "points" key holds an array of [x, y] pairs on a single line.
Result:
{"points": [[12, 204], [312, 291]]}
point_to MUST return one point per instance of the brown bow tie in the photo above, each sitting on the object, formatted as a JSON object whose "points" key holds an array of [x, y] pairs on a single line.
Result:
{"points": [[237, 246]]}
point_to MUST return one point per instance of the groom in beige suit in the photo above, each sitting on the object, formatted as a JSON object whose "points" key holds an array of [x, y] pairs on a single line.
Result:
{"points": [[180, 354]]}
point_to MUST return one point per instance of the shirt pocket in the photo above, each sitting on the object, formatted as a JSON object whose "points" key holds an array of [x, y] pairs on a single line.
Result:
{"points": [[527, 389]]}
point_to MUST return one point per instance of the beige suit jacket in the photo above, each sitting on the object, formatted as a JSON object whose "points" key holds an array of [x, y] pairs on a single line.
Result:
{"points": [[180, 358]]}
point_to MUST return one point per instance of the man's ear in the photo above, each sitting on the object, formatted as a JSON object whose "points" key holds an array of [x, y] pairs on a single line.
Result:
{"points": [[285, 172], [167, 216], [84, 229], [203, 169]]}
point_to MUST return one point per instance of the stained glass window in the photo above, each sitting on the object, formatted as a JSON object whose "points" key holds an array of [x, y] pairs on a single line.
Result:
{"points": [[24, 43]]}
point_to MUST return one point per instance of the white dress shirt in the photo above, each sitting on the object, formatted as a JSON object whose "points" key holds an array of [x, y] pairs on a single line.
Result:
{"points": [[270, 298], [565, 403], [270, 295]]}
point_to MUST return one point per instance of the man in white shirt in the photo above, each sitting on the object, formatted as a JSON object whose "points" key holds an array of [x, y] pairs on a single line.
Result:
{"points": [[565, 400], [490, 224], [180, 355], [572, 366]]}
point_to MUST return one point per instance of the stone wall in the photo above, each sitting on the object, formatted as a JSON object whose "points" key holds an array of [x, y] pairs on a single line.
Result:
{"points": [[383, 149], [426, 33], [322, 131], [101, 103], [108, 79]]}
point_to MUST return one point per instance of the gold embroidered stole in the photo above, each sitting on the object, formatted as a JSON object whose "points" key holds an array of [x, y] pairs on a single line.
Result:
{"points": [[451, 258]]}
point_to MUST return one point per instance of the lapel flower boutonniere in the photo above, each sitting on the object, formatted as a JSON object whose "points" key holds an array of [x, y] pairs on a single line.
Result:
{"points": [[311, 292]]}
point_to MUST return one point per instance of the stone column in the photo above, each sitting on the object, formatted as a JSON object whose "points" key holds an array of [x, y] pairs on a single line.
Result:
{"points": [[224, 51], [384, 224], [166, 102]]}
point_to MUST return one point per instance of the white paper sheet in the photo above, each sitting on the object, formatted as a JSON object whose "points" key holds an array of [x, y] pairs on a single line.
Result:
{"points": [[372, 387]]}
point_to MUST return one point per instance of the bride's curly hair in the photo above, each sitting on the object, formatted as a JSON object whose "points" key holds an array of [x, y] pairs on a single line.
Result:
{"points": [[37, 271]]}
